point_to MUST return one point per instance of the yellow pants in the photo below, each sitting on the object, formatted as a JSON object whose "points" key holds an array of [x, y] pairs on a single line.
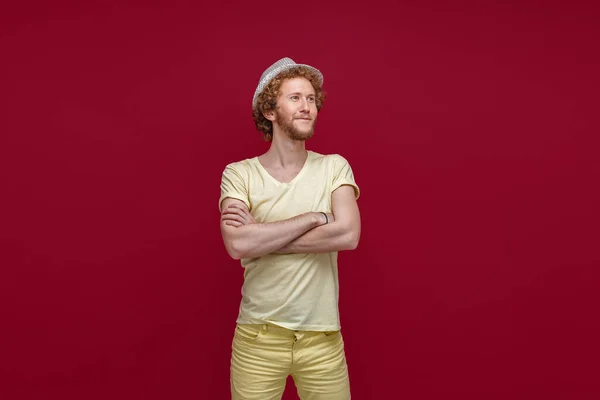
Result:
{"points": [[264, 355]]}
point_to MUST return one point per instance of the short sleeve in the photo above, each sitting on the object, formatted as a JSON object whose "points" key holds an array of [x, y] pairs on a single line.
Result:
{"points": [[343, 175], [233, 185]]}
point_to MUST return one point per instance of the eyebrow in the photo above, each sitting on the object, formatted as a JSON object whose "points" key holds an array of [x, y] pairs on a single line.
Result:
{"points": [[300, 94]]}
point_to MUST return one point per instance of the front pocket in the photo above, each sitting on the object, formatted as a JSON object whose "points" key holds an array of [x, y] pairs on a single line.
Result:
{"points": [[248, 332]]}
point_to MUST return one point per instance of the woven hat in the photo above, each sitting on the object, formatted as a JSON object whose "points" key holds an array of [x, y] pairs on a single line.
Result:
{"points": [[279, 66]]}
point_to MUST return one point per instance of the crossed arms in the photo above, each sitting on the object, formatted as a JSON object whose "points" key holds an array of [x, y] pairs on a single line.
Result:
{"points": [[304, 233]]}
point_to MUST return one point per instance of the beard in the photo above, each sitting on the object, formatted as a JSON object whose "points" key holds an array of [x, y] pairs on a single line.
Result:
{"points": [[291, 131]]}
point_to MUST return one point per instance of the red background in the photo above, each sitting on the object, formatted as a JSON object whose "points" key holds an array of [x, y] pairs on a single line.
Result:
{"points": [[472, 130]]}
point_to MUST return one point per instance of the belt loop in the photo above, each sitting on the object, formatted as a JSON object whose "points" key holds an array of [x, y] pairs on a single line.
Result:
{"points": [[265, 328]]}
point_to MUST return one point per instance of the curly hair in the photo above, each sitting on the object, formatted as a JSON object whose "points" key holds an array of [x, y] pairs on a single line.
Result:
{"points": [[267, 100]]}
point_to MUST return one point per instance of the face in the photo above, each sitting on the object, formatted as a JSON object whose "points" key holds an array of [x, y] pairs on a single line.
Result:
{"points": [[296, 112]]}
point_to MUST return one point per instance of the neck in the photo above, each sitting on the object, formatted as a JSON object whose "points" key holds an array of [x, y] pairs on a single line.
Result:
{"points": [[285, 151]]}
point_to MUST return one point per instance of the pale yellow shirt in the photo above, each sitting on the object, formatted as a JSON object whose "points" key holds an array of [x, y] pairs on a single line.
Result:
{"points": [[295, 291]]}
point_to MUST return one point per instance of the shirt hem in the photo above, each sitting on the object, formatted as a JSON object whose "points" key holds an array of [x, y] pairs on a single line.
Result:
{"points": [[293, 327]]}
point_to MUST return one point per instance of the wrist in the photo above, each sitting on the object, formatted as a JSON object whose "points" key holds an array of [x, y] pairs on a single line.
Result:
{"points": [[322, 218], [317, 219], [325, 217]]}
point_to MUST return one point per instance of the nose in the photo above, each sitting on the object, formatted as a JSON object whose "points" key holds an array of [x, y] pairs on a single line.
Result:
{"points": [[304, 106]]}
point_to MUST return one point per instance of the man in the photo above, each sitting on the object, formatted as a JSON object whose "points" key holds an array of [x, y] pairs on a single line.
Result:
{"points": [[285, 214]]}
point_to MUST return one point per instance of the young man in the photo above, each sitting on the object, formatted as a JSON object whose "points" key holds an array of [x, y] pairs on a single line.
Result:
{"points": [[285, 214]]}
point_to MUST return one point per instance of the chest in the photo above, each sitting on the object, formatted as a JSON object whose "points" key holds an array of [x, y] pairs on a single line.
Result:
{"points": [[283, 175], [276, 197]]}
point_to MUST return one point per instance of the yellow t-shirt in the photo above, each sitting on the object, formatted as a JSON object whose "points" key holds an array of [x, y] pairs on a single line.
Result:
{"points": [[295, 291]]}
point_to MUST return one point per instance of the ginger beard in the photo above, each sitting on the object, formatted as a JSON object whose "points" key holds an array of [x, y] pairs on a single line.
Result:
{"points": [[292, 131]]}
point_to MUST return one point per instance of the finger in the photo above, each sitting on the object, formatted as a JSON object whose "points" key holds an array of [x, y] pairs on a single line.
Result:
{"points": [[225, 213], [246, 215], [239, 212], [233, 212], [238, 206], [250, 218], [233, 223], [232, 217], [239, 219], [232, 209]]}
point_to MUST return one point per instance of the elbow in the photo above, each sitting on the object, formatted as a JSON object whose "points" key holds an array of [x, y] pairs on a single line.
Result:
{"points": [[236, 242], [241, 247], [353, 239], [234, 250]]}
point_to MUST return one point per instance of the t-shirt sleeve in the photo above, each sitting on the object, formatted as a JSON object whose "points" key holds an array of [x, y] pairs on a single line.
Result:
{"points": [[233, 185], [343, 175]]}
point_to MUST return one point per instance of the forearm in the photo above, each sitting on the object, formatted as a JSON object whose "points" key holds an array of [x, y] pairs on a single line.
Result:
{"points": [[256, 240], [336, 236]]}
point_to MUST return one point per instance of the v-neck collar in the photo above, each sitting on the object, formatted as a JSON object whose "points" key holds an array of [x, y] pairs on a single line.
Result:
{"points": [[298, 175]]}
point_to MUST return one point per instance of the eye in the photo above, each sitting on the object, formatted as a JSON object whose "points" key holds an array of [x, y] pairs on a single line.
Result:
{"points": [[294, 97], [311, 99]]}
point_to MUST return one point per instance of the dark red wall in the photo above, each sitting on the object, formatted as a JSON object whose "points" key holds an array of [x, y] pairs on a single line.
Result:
{"points": [[473, 132]]}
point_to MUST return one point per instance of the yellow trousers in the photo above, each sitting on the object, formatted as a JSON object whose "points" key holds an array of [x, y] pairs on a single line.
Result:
{"points": [[263, 356]]}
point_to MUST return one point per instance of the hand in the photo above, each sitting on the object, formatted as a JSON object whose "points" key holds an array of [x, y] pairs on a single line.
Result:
{"points": [[237, 215]]}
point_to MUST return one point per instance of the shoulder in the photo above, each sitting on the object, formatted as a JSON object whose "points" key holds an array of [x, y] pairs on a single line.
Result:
{"points": [[333, 157], [334, 160], [239, 167], [240, 172]]}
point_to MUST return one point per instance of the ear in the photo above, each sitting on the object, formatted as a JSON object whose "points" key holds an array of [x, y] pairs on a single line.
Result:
{"points": [[270, 115]]}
